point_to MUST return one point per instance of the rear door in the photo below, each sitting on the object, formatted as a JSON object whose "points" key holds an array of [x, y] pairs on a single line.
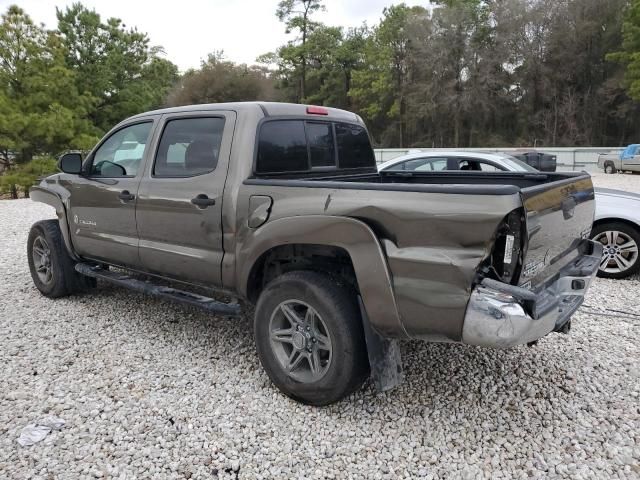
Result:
{"points": [[103, 200], [179, 210]]}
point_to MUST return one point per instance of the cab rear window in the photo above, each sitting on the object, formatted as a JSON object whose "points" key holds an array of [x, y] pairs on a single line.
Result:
{"points": [[304, 145]]}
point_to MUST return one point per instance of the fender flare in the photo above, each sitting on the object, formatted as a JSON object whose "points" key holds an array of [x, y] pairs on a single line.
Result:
{"points": [[44, 195], [355, 237]]}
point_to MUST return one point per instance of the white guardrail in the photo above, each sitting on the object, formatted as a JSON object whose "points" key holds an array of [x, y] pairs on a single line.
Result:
{"points": [[569, 158]]}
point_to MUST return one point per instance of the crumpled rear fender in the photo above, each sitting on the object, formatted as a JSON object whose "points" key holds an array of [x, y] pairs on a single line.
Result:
{"points": [[354, 236]]}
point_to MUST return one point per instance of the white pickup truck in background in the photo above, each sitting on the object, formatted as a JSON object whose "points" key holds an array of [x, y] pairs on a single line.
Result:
{"points": [[626, 161]]}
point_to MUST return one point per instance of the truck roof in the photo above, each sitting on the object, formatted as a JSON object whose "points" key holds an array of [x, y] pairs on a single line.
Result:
{"points": [[267, 108]]}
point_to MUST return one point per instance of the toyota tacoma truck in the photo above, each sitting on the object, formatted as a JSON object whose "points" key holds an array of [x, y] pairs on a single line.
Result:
{"points": [[279, 209]]}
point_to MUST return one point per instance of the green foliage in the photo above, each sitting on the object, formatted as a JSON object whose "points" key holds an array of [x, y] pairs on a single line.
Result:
{"points": [[293, 58], [476, 72], [40, 109], [460, 73], [380, 91], [24, 176], [630, 53], [219, 80], [115, 68], [63, 89]]}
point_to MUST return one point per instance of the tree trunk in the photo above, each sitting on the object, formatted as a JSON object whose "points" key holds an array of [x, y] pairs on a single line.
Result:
{"points": [[402, 115], [456, 128], [347, 87]]}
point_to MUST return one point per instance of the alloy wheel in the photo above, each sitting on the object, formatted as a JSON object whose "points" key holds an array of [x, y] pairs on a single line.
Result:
{"points": [[620, 251], [300, 341], [41, 254]]}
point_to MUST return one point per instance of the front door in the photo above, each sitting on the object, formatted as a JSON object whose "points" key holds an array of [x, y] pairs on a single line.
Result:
{"points": [[102, 216], [179, 210]]}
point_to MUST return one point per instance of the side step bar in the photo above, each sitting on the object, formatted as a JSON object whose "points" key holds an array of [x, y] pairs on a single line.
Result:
{"points": [[181, 296]]}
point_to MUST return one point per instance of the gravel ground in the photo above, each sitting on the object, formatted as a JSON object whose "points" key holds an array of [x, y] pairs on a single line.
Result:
{"points": [[154, 390]]}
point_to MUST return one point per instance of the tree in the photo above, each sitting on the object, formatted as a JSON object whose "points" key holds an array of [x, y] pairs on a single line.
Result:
{"points": [[380, 89], [296, 14], [40, 108], [25, 175], [333, 56], [219, 80], [115, 66], [629, 55]]}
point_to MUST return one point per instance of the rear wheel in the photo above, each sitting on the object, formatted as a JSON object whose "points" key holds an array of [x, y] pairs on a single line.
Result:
{"points": [[620, 249], [51, 267], [309, 337], [609, 168]]}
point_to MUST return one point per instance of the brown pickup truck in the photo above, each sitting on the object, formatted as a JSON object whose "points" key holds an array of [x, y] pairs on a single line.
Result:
{"points": [[281, 206]]}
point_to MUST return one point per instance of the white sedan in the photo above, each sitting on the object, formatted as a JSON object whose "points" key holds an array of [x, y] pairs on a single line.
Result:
{"points": [[617, 219]]}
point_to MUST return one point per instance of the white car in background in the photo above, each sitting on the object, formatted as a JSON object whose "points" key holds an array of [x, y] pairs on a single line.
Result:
{"points": [[617, 218]]}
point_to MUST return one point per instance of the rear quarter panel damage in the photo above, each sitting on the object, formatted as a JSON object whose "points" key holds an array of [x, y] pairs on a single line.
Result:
{"points": [[431, 245]]}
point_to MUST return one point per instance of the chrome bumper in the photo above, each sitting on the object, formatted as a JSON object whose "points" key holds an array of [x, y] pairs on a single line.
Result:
{"points": [[502, 316]]}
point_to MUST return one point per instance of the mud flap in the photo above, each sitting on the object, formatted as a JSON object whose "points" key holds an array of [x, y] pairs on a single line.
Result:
{"points": [[384, 356]]}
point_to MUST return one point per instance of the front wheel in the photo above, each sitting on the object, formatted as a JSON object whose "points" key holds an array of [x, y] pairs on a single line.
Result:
{"points": [[620, 249], [309, 337], [52, 269]]}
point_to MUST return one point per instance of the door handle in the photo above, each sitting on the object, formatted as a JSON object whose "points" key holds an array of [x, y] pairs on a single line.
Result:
{"points": [[202, 201], [126, 196]]}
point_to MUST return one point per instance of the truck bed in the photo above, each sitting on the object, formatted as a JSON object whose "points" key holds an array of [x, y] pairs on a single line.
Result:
{"points": [[438, 229], [488, 183]]}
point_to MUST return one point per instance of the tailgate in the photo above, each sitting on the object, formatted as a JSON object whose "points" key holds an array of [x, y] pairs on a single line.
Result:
{"points": [[559, 215]]}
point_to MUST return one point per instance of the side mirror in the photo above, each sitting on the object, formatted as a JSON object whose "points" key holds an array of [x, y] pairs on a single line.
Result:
{"points": [[71, 163]]}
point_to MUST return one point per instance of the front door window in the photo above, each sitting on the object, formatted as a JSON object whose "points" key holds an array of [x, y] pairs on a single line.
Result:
{"points": [[121, 154]]}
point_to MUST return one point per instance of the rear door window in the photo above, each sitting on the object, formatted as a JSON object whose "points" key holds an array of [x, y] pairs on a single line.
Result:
{"points": [[189, 146]]}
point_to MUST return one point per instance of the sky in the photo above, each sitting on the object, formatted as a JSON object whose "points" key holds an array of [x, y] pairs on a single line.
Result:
{"points": [[190, 29]]}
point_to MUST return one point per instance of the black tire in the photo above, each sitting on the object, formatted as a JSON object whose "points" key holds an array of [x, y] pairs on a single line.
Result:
{"points": [[336, 306], [629, 232], [64, 280], [609, 168]]}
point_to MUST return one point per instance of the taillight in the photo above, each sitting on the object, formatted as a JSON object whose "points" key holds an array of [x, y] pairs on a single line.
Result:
{"points": [[314, 110], [505, 262]]}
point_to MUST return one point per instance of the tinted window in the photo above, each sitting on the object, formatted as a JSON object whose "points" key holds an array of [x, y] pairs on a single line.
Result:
{"points": [[120, 155], [282, 147], [189, 146], [354, 148], [298, 145], [321, 148]]}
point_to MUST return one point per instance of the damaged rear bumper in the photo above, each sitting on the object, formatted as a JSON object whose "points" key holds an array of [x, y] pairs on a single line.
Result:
{"points": [[502, 316]]}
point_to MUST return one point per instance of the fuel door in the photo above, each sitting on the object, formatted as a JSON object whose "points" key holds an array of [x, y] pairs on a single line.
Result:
{"points": [[259, 210]]}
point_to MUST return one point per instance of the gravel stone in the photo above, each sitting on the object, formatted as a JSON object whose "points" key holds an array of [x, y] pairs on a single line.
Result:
{"points": [[150, 389]]}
